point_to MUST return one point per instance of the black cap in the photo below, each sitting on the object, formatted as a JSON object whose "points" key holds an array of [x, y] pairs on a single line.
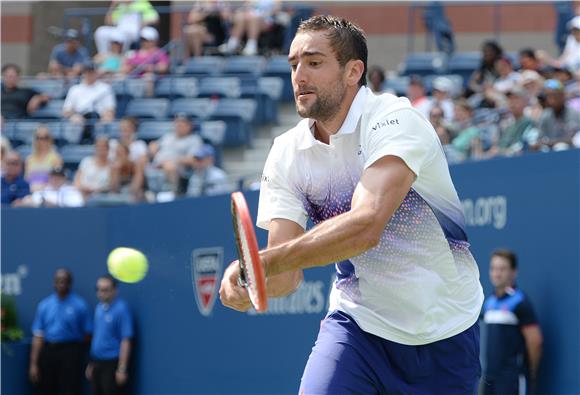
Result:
{"points": [[72, 34], [58, 171], [183, 115]]}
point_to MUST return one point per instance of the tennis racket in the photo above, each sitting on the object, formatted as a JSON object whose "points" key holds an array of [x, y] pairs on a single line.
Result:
{"points": [[252, 274]]}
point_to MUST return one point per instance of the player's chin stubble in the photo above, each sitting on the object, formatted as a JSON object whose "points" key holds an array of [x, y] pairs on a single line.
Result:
{"points": [[326, 104]]}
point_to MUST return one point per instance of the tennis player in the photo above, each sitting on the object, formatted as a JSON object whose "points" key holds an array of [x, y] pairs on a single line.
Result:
{"points": [[370, 172]]}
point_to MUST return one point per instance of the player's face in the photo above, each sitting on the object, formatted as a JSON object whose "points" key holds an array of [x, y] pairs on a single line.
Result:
{"points": [[61, 282], [501, 273], [317, 77]]}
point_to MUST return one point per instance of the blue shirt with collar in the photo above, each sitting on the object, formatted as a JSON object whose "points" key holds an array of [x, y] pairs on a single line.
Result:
{"points": [[113, 323], [14, 190], [62, 320], [67, 59]]}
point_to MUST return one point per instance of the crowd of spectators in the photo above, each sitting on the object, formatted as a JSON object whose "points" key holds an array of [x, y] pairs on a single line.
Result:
{"points": [[509, 105]]}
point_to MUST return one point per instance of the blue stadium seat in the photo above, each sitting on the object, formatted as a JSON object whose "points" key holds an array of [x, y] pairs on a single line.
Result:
{"points": [[133, 87], [109, 129], [219, 87], [148, 108], [176, 87], [198, 108], [51, 110], [54, 88], [153, 130], [277, 66], [464, 64], [397, 84], [24, 151], [72, 155], [239, 115], [23, 131], [204, 66], [241, 65], [214, 132], [424, 63]]}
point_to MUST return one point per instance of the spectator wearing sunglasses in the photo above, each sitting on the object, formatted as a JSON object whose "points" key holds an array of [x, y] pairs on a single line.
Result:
{"points": [[42, 160]]}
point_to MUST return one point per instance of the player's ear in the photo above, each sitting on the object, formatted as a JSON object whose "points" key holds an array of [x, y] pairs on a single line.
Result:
{"points": [[354, 70]]}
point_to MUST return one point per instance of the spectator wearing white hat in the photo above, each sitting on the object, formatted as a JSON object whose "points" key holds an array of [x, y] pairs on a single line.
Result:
{"points": [[442, 89], [570, 57], [125, 18]]}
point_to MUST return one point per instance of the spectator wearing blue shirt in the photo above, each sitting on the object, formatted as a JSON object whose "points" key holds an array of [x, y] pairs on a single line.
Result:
{"points": [[111, 344], [514, 338], [14, 186], [67, 59], [61, 326]]}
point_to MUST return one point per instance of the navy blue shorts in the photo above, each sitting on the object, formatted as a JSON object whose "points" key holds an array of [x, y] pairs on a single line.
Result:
{"points": [[347, 360]]}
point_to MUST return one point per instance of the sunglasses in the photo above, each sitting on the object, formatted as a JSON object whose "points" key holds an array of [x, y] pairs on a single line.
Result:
{"points": [[42, 138]]}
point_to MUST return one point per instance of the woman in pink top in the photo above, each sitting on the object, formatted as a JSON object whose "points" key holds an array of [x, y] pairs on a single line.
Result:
{"points": [[149, 59]]}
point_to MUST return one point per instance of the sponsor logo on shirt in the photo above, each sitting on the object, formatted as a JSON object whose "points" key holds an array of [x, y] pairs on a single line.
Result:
{"points": [[206, 270], [386, 122]]}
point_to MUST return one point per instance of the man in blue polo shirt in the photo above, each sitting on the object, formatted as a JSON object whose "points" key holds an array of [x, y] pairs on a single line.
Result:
{"points": [[61, 326], [111, 345], [68, 58], [514, 338]]}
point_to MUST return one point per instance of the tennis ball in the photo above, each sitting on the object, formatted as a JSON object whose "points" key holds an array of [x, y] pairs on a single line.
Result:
{"points": [[127, 264]]}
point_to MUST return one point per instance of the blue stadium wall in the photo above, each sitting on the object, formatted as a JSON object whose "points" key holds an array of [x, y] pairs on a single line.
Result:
{"points": [[530, 204]]}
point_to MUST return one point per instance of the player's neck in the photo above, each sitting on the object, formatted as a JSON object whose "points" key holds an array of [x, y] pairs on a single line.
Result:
{"points": [[324, 129]]}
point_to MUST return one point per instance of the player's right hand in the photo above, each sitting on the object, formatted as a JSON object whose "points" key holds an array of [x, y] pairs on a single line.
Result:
{"points": [[233, 295], [89, 372], [34, 374]]}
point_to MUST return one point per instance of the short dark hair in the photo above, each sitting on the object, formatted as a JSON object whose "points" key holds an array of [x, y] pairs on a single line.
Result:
{"points": [[507, 254], [110, 278], [528, 52], [346, 39], [12, 66]]}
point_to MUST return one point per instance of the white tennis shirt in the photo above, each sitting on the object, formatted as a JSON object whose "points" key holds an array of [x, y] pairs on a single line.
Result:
{"points": [[420, 284]]}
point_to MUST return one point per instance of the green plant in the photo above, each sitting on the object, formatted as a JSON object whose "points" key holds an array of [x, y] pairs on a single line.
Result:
{"points": [[9, 320]]}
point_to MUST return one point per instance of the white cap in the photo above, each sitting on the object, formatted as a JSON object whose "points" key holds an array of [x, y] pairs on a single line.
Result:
{"points": [[574, 23], [117, 36], [443, 84], [149, 33]]}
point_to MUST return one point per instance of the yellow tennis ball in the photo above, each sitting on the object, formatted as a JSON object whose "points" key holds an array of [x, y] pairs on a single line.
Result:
{"points": [[127, 264]]}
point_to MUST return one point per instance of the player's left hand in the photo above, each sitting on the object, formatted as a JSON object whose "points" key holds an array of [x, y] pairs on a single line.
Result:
{"points": [[233, 295]]}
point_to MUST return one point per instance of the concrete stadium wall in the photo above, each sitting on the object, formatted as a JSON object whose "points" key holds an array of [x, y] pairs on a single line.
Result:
{"points": [[529, 204]]}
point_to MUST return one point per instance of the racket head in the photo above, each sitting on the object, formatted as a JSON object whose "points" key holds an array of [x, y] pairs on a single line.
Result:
{"points": [[251, 270]]}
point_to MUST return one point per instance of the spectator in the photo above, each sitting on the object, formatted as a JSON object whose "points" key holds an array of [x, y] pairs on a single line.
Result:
{"points": [[507, 78], [68, 59], [111, 343], [90, 99], [376, 78], [249, 21], [528, 60], [94, 172], [463, 130], [125, 19], [205, 25], [558, 123], [42, 160], [533, 83], [206, 179], [437, 119], [442, 90], [416, 94], [570, 57], [5, 148], [137, 148], [127, 176], [486, 73], [518, 129], [18, 102], [149, 59], [61, 326], [56, 193], [111, 62], [14, 186], [172, 152], [514, 338]]}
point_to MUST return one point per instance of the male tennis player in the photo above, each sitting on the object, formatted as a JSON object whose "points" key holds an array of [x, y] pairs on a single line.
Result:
{"points": [[370, 172]]}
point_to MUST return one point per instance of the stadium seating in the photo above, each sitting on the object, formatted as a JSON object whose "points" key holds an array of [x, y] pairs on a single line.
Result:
{"points": [[424, 63], [220, 87], [73, 154], [153, 130], [239, 115], [54, 88], [51, 110], [199, 108], [148, 108], [176, 87], [204, 66], [277, 66], [244, 65]]}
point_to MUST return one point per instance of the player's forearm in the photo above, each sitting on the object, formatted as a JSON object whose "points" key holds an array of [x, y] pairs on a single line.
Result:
{"points": [[534, 356], [334, 240], [124, 354]]}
